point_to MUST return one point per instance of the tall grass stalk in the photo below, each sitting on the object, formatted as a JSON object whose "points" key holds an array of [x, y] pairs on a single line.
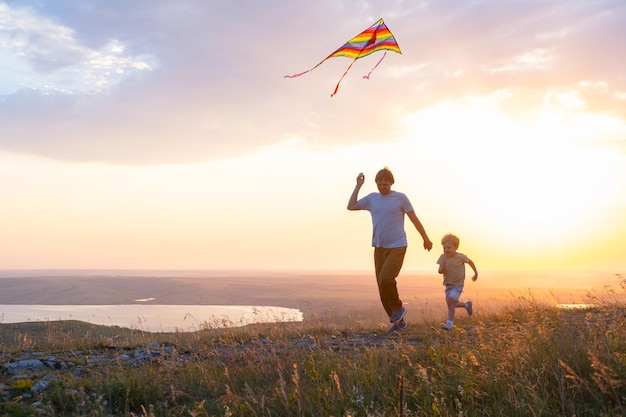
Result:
{"points": [[528, 358]]}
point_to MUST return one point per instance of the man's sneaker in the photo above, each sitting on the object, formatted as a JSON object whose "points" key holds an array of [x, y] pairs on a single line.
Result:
{"points": [[468, 307], [446, 326], [397, 315], [398, 326]]}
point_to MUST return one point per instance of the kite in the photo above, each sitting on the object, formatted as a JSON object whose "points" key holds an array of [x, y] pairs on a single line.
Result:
{"points": [[375, 38]]}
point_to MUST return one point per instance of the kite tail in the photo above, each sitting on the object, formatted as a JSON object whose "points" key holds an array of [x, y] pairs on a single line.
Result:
{"points": [[307, 71], [367, 77], [297, 75], [344, 74]]}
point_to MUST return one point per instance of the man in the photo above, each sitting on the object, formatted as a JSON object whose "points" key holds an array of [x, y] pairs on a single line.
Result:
{"points": [[389, 240]]}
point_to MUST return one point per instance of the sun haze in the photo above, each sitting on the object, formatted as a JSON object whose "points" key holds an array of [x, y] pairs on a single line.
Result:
{"points": [[165, 136]]}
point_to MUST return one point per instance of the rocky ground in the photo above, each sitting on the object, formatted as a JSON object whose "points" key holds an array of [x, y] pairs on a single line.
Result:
{"points": [[40, 369]]}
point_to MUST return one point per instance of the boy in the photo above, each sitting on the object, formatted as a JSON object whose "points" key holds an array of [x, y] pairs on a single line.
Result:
{"points": [[452, 266]]}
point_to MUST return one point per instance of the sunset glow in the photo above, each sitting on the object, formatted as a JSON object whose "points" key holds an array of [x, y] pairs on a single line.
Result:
{"points": [[123, 147]]}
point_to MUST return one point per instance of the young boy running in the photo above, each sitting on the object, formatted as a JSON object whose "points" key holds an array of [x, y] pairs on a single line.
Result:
{"points": [[452, 266]]}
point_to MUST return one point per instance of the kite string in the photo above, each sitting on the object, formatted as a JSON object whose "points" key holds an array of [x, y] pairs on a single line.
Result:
{"points": [[367, 77]]}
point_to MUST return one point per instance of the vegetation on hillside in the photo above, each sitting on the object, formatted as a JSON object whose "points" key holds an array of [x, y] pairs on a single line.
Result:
{"points": [[525, 359]]}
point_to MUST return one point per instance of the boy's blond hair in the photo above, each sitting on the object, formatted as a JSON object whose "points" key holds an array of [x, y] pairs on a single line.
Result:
{"points": [[452, 239]]}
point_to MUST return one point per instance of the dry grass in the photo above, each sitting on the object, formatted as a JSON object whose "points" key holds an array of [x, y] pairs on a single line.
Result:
{"points": [[521, 357]]}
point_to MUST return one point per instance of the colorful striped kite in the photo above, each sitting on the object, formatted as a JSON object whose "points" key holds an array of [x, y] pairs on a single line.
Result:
{"points": [[375, 38]]}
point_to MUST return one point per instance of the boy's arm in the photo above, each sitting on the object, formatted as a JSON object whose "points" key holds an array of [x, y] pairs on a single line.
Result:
{"points": [[473, 266], [442, 264], [428, 245]]}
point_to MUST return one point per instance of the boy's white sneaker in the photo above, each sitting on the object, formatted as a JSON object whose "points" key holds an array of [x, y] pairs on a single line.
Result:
{"points": [[468, 307], [447, 326]]}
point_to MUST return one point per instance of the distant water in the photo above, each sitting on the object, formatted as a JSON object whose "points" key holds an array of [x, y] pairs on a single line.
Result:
{"points": [[152, 318], [575, 306], [191, 273]]}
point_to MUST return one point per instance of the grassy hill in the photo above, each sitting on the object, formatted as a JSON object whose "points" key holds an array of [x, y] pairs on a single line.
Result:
{"points": [[528, 359]]}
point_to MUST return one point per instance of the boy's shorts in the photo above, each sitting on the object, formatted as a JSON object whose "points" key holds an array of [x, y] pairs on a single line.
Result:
{"points": [[454, 291]]}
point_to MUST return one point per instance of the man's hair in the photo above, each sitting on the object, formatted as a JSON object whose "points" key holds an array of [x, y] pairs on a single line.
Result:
{"points": [[384, 174], [451, 239]]}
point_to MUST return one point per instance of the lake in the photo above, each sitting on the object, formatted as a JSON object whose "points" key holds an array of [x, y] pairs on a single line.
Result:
{"points": [[152, 318]]}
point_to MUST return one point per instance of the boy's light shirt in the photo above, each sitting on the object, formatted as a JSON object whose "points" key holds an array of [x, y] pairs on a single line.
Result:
{"points": [[455, 268]]}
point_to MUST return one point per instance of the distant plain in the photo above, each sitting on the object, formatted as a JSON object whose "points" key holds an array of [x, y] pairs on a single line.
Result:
{"points": [[312, 292]]}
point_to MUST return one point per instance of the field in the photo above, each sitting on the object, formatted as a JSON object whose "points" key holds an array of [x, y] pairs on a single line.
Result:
{"points": [[522, 356]]}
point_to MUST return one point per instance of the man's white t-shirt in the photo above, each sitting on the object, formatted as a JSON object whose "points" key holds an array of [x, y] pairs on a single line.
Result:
{"points": [[387, 218]]}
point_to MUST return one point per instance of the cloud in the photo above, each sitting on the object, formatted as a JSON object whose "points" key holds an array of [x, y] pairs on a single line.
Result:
{"points": [[52, 60], [169, 82]]}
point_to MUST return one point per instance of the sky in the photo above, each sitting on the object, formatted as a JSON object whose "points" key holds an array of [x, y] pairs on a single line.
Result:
{"points": [[163, 135]]}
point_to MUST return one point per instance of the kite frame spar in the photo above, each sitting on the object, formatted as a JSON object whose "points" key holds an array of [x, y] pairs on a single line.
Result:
{"points": [[376, 38]]}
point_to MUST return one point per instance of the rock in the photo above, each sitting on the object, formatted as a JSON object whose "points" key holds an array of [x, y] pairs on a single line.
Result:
{"points": [[42, 384], [24, 366]]}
